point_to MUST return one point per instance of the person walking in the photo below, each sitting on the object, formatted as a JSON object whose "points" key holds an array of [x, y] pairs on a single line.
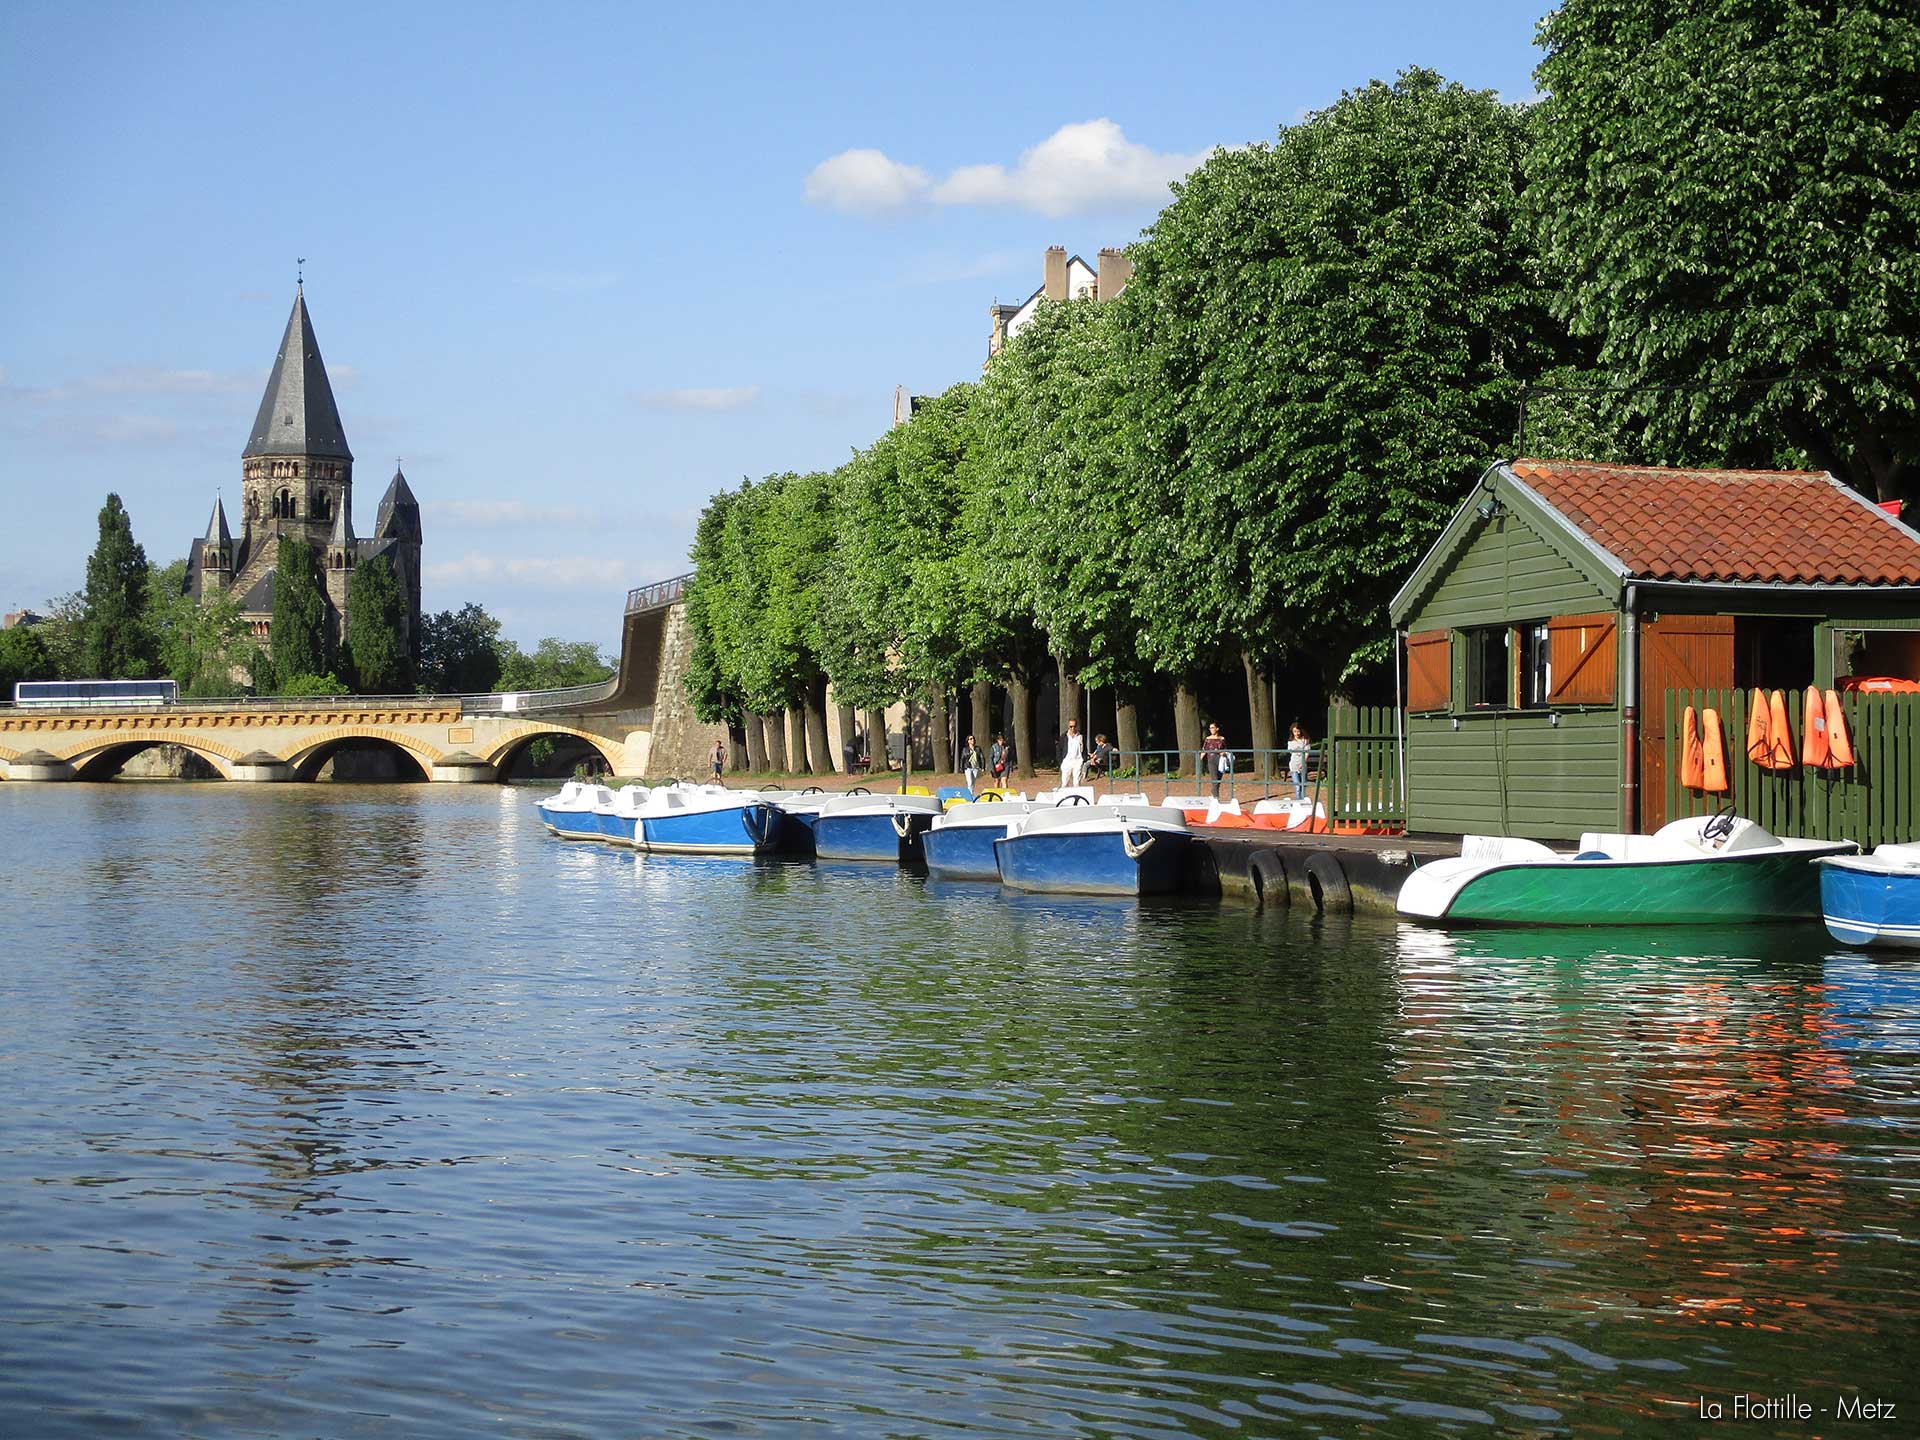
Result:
{"points": [[970, 762], [997, 758], [1073, 758], [719, 757], [1298, 748], [1214, 761]]}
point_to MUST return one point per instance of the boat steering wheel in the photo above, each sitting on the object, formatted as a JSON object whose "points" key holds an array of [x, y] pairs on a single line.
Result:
{"points": [[859, 790], [1070, 800], [1720, 826]]}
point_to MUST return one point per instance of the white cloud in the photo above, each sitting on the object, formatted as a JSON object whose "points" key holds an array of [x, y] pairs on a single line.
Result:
{"points": [[551, 572], [1079, 168], [1085, 167], [865, 182], [711, 398]]}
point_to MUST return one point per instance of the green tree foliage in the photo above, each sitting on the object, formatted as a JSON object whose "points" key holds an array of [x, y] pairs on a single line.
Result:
{"points": [[376, 658], [1726, 190], [297, 635], [115, 641], [200, 643], [460, 651], [1056, 506], [553, 665], [1326, 337], [23, 656], [300, 685], [64, 634], [712, 689]]}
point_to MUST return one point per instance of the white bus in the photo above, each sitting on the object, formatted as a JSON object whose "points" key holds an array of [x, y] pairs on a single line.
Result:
{"points": [[88, 694]]}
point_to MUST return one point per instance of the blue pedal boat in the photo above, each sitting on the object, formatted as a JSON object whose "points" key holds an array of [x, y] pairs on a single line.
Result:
{"points": [[1873, 900], [573, 813], [708, 820], [798, 809], [1122, 849], [959, 844], [873, 827], [619, 818]]}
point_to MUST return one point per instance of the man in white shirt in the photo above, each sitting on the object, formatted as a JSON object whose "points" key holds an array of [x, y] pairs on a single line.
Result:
{"points": [[1073, 764]]}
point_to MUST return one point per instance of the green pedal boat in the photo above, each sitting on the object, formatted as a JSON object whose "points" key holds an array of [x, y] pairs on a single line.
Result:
{"points": [[1705, 870]]}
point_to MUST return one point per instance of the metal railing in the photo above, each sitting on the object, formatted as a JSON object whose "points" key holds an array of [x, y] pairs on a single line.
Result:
{"points": [[513, 702], [657, 595]]}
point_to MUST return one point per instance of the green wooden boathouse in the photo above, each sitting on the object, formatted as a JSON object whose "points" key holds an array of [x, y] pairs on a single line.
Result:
{"points": [[1565, 605]]}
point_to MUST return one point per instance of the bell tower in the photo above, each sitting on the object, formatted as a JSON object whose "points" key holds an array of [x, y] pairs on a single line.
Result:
{"points": [[296, 470]]}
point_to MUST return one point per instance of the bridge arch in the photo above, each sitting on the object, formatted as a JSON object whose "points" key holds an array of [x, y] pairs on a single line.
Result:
{"points": [[92, 750], [506, 748], [312, 751]]}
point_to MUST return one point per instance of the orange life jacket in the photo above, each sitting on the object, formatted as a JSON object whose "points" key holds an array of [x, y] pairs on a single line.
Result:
{"points": [[1813, 731], [1693, 771], [1714, 756], [1779, 733], [1759, 743], [1839, 743]]}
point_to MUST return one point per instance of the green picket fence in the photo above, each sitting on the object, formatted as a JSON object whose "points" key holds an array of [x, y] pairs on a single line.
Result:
{"points": [[1362, 775], [1875, 802]]}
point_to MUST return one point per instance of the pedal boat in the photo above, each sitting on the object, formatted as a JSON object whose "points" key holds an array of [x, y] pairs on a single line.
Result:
{"points": [[619, 816], [708, 820], [1703, 870], [858, 826], [959, 844], [573, 813], [1873, 900], [1118, 847]]}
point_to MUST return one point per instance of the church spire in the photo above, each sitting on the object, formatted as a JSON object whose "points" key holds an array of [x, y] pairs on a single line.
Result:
{"points": [[217, 532], [297, 415]]}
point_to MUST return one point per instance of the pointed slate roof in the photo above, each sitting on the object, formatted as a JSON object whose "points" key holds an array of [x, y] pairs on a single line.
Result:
{"points": [[399, 515], [217, 532], [342, 537], [297, 414]]}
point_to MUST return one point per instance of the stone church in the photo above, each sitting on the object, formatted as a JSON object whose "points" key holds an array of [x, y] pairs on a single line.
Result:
{"points": [[296, 480]]}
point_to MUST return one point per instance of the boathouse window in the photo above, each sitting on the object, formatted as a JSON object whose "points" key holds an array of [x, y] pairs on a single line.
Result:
{"points": [[1536, 666], [1488, 667]]}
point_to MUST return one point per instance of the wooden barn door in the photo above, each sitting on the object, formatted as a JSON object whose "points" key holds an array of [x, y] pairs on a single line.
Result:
{"points": [[1677, 652]]}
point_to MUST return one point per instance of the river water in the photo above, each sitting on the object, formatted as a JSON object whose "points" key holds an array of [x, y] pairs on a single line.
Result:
{"points": [[374, 1111]]}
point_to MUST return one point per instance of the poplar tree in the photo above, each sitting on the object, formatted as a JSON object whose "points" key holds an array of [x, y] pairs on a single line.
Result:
{"points": [[297, 634], [116, 643], [376, 659]]}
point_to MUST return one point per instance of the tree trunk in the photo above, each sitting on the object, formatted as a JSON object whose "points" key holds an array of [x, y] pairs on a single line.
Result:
{"points": [[1020, 698], [819, 761], [1072, 697], [849, 747], [983, 714], [736, 748], [797, 740], [877, 740], [937, 734], [1260, 709], [776, 742], [1186, 727], [1126, 730], [756, 744]]}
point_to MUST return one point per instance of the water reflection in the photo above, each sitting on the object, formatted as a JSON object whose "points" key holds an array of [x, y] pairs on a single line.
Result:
{"points": [[373, 1111]]}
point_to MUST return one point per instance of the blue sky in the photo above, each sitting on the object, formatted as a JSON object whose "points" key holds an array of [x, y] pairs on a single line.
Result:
{"points": [[584, 265]]}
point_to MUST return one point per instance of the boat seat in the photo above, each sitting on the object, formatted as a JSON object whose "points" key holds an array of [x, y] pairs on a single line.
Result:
{"points": [[1506, 847]]}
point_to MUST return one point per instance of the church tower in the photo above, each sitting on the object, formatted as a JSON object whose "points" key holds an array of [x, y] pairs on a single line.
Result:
{"points": [[296, 471], [397, 527], [216, 552]]}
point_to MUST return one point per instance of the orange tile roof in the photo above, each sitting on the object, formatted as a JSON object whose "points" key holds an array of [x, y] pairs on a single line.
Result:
{"points": [[1788, 527]]}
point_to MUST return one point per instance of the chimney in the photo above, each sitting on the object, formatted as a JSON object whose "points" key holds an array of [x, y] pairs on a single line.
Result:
{"points": [[1115, 271], [1056, 272]]}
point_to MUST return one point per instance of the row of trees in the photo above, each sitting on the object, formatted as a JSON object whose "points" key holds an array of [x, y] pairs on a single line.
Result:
{"points": [[1699, 247], [135, 621]]}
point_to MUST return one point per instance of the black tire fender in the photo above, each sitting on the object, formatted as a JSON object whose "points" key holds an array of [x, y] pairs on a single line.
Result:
{"points": [[1269, 875], [1328, 883]]}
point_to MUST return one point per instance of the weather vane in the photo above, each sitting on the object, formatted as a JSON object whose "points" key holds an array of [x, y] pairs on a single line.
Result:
{"points": [[300, 270]]}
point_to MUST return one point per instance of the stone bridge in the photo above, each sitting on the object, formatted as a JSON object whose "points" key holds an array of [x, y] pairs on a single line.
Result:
{"points": [[452, 738]]}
